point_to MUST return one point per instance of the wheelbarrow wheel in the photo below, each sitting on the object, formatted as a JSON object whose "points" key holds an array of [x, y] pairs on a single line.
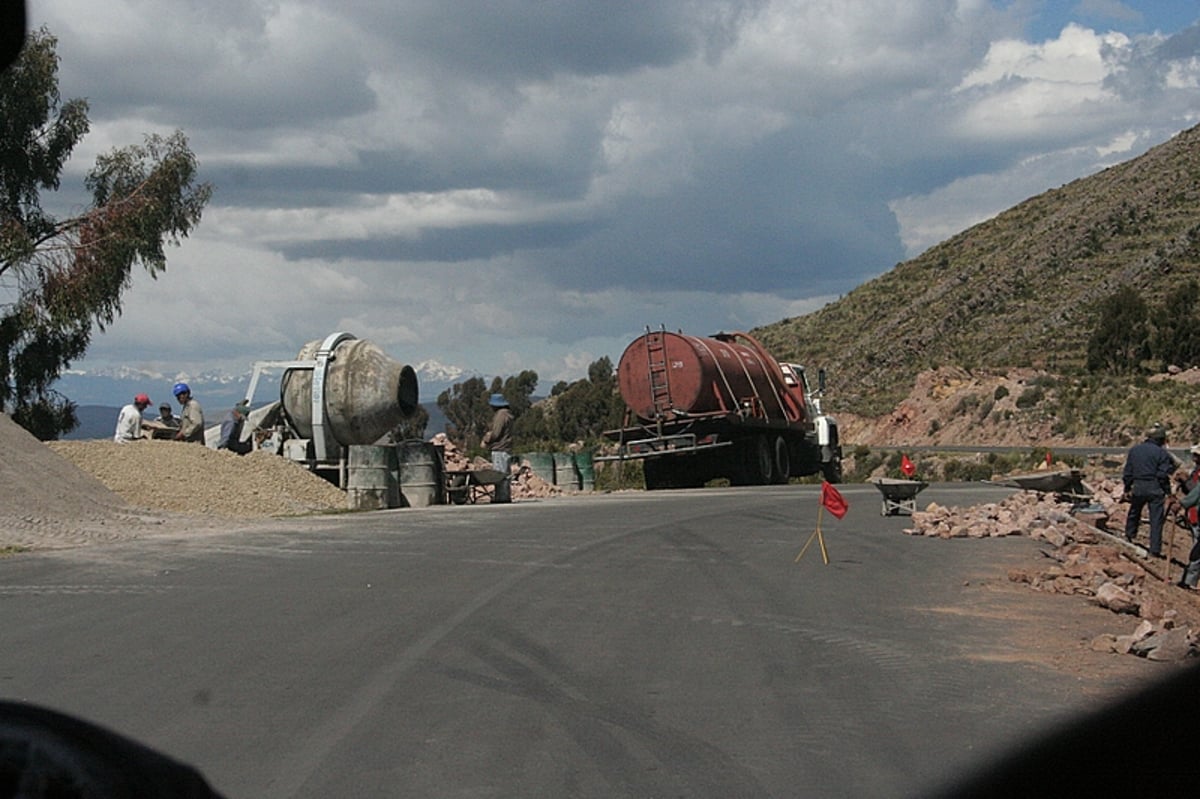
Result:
{"points": [[458, 489]]}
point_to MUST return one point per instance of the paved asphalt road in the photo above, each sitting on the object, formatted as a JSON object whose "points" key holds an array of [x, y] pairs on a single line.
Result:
{"points": [[637, 644]]}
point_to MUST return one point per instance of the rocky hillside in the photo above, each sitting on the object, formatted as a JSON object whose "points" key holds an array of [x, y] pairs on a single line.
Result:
{"points": [[1020, 291]]}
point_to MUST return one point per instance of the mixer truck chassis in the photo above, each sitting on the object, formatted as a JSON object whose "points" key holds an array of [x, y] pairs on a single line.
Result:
{"points": [[705, 408]]}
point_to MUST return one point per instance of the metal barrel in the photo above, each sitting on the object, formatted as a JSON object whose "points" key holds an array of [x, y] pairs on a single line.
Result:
{"points": [[541, 464], [420, 474], [585, 465], [371, 478], [566, 474], [366, 392]]}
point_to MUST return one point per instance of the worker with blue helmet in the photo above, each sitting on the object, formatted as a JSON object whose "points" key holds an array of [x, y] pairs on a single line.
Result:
{"points": [[499, 436], [191, 418]]}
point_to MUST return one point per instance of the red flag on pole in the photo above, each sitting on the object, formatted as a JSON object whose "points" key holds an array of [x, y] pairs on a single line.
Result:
{"points": [[907, 467], [833, 501]]}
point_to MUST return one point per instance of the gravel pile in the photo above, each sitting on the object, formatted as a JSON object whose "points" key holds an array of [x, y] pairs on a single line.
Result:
{"points": [[47, 502], [193, 479]]}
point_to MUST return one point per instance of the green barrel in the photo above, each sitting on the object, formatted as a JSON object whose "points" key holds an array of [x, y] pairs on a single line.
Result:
{"points": [[541, 464], [585, 464], [566, 475]]}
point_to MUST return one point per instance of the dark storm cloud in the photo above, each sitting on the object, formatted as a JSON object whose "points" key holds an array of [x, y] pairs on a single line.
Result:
{"points": [[463, 243], [507, 39]]}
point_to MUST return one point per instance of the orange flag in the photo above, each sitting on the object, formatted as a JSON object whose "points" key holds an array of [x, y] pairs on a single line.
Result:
{"points": [[832, 500], [907, 467]]}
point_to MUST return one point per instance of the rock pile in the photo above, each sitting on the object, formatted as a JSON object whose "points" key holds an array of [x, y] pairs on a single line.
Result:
{"points": [[1087, 562], [525, 484]]}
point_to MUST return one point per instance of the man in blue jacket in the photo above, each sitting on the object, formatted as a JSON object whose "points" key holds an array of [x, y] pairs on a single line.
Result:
{"points": [[1147, 479]]}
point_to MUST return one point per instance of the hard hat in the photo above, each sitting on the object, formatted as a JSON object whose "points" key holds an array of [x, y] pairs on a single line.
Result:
{"points": [[1157, 432], [141, 399], [498, 401], [181, 388]]}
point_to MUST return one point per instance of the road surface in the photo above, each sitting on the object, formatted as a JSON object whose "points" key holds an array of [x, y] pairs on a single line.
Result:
{"points": [[631, 644]]}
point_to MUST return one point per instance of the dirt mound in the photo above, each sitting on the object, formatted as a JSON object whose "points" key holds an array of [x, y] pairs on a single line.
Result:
{"points": [[955, 406]]}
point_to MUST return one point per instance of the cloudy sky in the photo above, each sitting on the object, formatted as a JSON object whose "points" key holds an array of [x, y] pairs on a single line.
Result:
{"points": [[502, 185]]}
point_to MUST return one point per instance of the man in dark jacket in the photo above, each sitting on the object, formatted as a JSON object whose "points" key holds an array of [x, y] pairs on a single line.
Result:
{"points": [[1147, 479], [231, 430]]}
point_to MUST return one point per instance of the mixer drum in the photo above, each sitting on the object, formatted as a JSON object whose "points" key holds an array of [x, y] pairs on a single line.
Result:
{"points": [[367, 393]]}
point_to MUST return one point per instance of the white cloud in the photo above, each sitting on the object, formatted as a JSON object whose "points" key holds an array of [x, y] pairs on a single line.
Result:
{"points": [[499, 189]]}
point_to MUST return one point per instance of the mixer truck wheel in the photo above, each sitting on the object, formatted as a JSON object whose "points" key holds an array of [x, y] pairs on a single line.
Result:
{"points": [[783, 461]]}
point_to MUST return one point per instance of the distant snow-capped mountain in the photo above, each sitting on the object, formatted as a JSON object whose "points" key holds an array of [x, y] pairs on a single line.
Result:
{"points": [[116, 386]]}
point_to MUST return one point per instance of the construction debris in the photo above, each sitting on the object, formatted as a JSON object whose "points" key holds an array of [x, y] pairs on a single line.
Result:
{"points": [[524, 483], [1090, 563]]}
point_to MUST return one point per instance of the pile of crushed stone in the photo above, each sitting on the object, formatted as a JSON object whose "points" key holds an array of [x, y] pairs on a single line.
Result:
{"points": [[1085, 561], [48, 502], [193, 479]]}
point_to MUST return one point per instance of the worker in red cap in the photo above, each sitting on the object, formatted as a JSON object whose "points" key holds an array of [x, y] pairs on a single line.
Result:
{"points": [[129, 423]]}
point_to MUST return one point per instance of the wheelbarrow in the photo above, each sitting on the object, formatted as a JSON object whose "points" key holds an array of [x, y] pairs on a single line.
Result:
{"points": [[471, 485], [1067, 483], [899, 496]]}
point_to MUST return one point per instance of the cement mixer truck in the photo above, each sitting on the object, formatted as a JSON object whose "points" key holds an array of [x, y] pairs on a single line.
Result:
{"points": [[338, 392], [722, 406]]}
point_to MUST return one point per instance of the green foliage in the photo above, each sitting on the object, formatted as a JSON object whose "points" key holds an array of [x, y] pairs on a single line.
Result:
{"points": [[1120, 339], [1000, 393], [586, 408], [965, 471], [67, 275], [466, 408], [1176, 337], [412, 428], [619, 475], [1030, 397]]}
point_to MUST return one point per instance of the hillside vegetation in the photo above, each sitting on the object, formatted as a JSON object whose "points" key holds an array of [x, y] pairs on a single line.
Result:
{"points": [[1023, 291]]}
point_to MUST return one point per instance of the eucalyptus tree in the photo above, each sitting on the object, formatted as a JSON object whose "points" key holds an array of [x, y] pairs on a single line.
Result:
{"points": [[60, 277]]}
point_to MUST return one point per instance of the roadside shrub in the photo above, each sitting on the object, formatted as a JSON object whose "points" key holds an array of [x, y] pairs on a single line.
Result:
{"points": [[1031, 397], [956, 471]]}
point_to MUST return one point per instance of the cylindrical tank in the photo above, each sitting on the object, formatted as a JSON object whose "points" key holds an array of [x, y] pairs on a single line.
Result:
{"points": [[674, 374], [366, 392]]}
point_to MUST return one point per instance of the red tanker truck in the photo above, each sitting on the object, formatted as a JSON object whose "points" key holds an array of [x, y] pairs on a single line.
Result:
{"points": [[722, 406]]}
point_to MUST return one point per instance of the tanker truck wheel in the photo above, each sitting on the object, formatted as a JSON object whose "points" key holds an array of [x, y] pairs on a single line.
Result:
{"points": [[831, 469], [783, 461], [757, 462], [663, 473]]}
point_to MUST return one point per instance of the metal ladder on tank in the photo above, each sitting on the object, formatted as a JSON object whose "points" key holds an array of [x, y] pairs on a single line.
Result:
{"points": [[656, 361]]}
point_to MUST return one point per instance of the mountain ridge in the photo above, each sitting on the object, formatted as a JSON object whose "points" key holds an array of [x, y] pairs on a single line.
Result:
{"points": [[1019, 290]]}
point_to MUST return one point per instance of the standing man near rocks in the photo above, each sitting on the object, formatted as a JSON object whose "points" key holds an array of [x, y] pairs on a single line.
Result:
{"points": [[191, 418], [498, 438], [1147, 479]]}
